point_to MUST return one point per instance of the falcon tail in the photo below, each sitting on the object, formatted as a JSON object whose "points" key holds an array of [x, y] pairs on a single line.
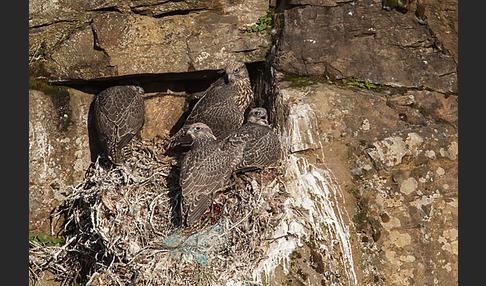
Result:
{"points": [[197, 208]]}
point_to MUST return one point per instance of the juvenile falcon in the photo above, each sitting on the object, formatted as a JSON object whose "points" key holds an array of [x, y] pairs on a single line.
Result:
{"points": [[119, 114], [223, 105], [262, 146], [206, 168]]}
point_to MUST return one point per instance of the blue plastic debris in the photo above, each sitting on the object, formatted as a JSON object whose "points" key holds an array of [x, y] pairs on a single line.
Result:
{"points": [[199, 244]]}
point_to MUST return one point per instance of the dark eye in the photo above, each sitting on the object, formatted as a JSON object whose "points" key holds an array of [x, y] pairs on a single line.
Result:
{"points": [[237, 70], [197, 128], [258, 113]]}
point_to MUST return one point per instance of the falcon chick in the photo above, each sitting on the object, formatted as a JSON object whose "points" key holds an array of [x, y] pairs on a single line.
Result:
{"points": [[119, 115], [262, 146], [223, 105], [206, 168]]}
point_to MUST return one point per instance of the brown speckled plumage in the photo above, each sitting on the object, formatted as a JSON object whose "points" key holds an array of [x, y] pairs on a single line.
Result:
{"points": [[206, 168], [262, 146], [223, 105], [119, 114]]}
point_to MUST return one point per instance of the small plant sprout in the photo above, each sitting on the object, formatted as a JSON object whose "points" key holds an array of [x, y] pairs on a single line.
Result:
{"points": [[363, 84], [43, 239], [262, 25]]}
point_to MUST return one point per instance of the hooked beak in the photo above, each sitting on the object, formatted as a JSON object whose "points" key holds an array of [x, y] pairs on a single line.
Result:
{"points": [[264, 118], [229, 77]]}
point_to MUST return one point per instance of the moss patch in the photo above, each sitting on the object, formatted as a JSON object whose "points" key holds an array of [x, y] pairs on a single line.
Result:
{"points": [[298, 81], [59, 95], [358, 218], [355, 81]]}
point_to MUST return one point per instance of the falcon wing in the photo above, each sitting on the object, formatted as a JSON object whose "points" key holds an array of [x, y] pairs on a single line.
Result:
{"points": [[262, 147], [119, 113], [202, 172], [132, 121], [205, 171]]}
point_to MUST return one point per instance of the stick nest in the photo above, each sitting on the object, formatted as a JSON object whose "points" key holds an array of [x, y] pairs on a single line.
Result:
{"points": [[122, 226]]}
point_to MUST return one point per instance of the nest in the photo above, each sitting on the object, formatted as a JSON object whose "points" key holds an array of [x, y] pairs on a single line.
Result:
{"points": [[122, 226]]}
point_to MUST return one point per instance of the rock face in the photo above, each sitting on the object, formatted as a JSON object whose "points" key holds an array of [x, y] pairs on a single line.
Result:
{"points": [[89, 40], [371, 172], [403, 176], [442, 19], [162, 113], [362, 40], [389, 148], [317, 218], [58, 157]]}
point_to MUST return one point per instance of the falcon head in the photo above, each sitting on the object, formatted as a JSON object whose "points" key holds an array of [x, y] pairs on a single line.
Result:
{"points": [[258, 115], [236, 71], [200, 130]]}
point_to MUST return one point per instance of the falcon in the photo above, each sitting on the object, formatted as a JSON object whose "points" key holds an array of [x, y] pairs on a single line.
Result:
{"points": [[119, 115], [223, 105], [262, 146], [206, 168]]}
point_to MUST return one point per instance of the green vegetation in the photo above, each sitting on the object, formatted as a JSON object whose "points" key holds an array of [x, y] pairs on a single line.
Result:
{"points": [[44, 86], [43, 239], [312, 195], [59, 94], [263, 24], [354, 192], [358, 219], [363, 84], [323, 225], [298, 81], [399, 5]]}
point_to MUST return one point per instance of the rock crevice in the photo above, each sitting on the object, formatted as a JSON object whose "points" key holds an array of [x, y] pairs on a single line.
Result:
{"points": [[364, 99]]}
